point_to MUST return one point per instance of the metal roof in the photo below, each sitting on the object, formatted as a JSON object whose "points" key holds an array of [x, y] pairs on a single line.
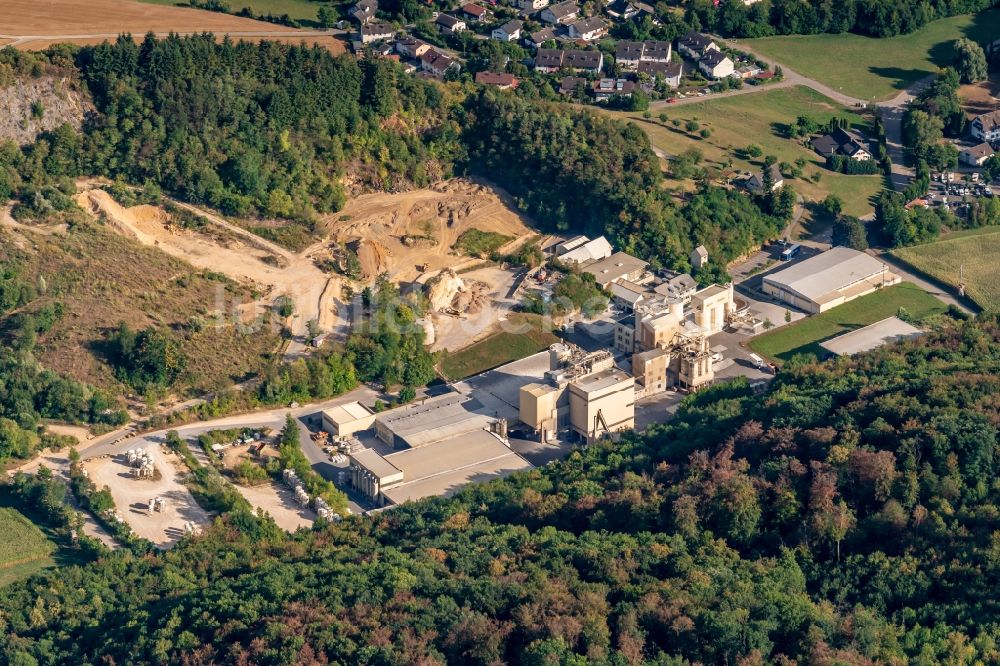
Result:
{"points": [[616, 266], [444, 467], [871, 337], [351, 411], [376, 464], [826, 273], [435, 420]]}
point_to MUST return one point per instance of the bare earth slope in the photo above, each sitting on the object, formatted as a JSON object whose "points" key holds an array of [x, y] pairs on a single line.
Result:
{"points": [[410, 233]]}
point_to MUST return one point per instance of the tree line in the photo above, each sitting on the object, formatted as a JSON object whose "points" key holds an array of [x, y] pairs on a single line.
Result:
{"points": [[875, 18], [847, 515]]}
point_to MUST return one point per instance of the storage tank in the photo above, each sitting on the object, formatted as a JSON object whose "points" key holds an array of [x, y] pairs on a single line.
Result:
{"points": [[559, 355]]}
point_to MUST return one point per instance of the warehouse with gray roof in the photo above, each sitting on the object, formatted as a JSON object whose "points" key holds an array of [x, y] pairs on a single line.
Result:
{"points": [[828, 279]]}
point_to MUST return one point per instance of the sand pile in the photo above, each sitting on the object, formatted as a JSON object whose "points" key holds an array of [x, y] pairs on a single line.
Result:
{"points": [[373, 255], [449, 292]]}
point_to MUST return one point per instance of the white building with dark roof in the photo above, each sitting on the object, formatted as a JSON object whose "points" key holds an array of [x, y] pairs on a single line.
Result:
{"points": [[564, 12], [986, 127]]}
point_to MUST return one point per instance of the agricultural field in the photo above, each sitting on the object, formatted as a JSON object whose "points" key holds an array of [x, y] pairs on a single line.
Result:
{"points": [[803, 337], [303, 11], [499, 348], [24, 549], [973, 253], [90, 21], [876, 69], [762, 119]]}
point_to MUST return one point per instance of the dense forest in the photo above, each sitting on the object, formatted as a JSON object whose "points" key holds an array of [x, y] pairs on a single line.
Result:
{"points": [[846, 516], [876, 18], [574, 170], [276, 130]]}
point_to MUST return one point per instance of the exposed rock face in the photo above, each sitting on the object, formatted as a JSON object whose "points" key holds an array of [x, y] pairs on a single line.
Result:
{"points": [[31, 106]]}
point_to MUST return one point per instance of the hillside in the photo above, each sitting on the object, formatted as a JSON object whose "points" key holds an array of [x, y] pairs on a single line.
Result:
{"points": [[31, 106], [847, 516], [96, 279]]}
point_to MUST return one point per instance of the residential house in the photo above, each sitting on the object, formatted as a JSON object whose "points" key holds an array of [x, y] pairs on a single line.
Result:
{"points": [[548, 60], [630, 54], [696, 45], [364, 11], [976, 155], [436, 63], [552, 60], [564, 12], [842, 141], [584, 61], [532, 5], [375, 32], [536, 39], [509, 31], [588, 29], [670, 72], [756, 182], [448, 24], [605, 89], [475, 13], [986, 127], [716, 65], [680, 286], [623, 10], [502, 81], [572, 85], [411, 47]]}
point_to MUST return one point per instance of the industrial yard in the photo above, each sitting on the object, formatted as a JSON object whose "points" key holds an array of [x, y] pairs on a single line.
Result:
{"points": [[163, 524]]}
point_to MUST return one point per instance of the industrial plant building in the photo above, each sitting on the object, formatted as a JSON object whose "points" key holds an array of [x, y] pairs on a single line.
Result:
{"points": [[345, 420], [667, 334], [828, 279], [432, 448], [583, 392]]}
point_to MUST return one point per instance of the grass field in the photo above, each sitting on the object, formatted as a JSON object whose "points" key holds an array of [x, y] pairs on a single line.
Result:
{"points": [[24, 548], [302, 10], [499, 348], [975, 252], [761, 119], [877, 69], [803, 337]]}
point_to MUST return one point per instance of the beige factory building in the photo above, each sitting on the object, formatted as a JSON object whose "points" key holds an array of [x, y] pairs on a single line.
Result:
{"points": [[668, 338], [828, 279], [601, 403], [583, 392], [433, 448], [347, 419]]}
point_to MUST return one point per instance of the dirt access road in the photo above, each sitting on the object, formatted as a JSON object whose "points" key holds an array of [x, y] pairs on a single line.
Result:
{"points": [[34, 24], [235, 252]]}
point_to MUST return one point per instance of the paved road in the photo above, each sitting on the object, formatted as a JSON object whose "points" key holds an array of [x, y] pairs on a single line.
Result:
{"points": [[891, 110], [745, 90], [935, 289]]}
